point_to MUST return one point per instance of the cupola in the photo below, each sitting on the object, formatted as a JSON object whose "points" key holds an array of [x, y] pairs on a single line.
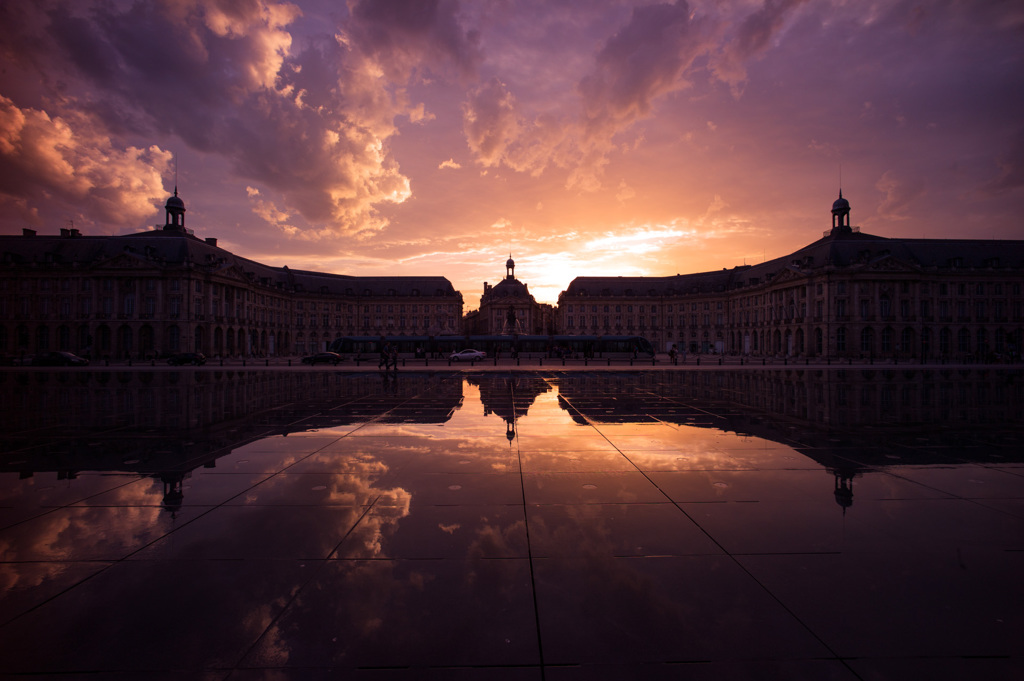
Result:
{"points": [[175, 208]]}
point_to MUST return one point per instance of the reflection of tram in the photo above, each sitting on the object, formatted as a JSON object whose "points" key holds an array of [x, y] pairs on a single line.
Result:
{"points": [[551, 346]]}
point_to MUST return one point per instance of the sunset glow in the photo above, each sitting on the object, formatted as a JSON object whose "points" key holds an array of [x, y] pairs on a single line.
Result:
{"points": [[618, 138]]}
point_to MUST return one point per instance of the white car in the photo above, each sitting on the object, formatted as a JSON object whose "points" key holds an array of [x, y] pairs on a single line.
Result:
{"points": [[467, 355]]}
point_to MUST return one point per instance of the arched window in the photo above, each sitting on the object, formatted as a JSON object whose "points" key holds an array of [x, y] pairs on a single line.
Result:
{"points": [[887, 335], [963, 340], [867, 340]]}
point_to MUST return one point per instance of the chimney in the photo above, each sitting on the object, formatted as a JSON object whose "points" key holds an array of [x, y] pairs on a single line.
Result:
{"points": [[65, 233], [211, 240], [25, 231]]}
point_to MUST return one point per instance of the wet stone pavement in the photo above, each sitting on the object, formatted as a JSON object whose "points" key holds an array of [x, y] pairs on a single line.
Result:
{"points": [[309, 524]]}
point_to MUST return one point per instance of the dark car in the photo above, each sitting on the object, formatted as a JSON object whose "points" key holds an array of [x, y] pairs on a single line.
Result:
{"points": [[322, 358], [193, 358], [59, 359]]}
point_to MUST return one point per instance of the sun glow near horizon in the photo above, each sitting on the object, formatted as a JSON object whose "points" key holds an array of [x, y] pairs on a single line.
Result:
{"points": [[649, 139]]}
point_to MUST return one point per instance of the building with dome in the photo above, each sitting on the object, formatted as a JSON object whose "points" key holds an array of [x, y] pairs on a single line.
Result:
{"points": [[846, 295], [508, 308], [158, 292]]}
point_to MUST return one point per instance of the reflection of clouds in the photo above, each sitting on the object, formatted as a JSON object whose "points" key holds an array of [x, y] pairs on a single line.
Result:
{"points": [[125, 521], [86, 533]]}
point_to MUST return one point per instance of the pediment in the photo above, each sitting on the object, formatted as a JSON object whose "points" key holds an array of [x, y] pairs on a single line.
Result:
{"points": [[126, 261], [889, 263], [788, 275]]}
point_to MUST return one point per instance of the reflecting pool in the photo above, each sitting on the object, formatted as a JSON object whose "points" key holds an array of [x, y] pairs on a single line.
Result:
{"points": [[843, 524]]}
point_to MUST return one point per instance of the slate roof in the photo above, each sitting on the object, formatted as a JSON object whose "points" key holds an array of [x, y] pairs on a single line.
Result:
{"points": [[174, 249], [841, 250]]}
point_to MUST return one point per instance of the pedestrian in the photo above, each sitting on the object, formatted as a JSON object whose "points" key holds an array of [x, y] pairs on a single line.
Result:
{"points": [[384, 357], [394, 358]]}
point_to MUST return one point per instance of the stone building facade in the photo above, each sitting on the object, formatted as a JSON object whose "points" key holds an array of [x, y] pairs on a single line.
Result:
{"points": [[508, 308], [847, 295], [158, 292]]}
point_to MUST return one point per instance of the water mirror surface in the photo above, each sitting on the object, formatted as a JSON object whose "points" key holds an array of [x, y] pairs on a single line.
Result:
{"points": [[838, 524]]}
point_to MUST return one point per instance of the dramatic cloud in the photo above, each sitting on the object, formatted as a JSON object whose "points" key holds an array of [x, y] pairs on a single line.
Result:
{"points": [[71, 163], [618, 137]]}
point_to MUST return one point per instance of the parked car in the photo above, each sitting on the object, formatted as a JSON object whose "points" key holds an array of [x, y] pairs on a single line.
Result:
{"points": [[193, 358], [467, 355], [322, 358], [59, 359]]}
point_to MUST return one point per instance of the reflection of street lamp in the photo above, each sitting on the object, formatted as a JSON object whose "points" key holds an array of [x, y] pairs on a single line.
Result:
{"points": [[843, 490], [173, 496]]}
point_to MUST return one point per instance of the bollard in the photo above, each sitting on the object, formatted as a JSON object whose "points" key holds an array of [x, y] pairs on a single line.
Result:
{"points": [[222, 361], [719, 361], [266, 363], [289, 362], [243, 361], [152, 362]]}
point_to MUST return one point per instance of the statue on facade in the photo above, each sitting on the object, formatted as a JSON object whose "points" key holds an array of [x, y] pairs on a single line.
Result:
{"points": [[512, 325]]}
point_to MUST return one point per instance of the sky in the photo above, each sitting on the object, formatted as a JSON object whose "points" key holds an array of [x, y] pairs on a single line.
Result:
{"points": [[598, 138]]}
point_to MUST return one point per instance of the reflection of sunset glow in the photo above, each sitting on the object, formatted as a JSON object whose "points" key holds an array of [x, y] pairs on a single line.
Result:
{"points": [[431, 522]]}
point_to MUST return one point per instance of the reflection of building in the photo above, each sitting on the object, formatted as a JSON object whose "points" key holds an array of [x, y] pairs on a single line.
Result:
{"points": [[846, 295], [833, 400], [849, 421], [509, 396], [508, 308], [165, 424], [166, 290]]}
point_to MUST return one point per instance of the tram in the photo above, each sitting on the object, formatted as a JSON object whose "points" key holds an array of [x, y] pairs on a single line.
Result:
{"points": [[533, 345]]}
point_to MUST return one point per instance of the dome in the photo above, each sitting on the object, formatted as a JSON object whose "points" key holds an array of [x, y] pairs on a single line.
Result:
{"points": [[175, 202], [510, 288], [840, 204], [510, 263]]}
